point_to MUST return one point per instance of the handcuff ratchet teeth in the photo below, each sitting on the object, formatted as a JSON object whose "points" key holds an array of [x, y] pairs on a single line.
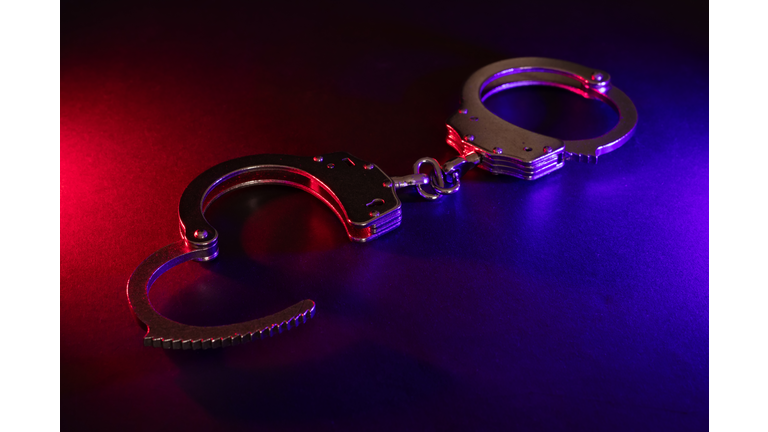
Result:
{"points": [[364, 198], [512, 150], [360, 194]]}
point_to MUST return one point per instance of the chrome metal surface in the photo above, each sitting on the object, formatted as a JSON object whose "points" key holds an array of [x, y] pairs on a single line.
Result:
{"points": [[364, 198], [437, 179], [461, 165], [509, 149], [444, 179], [410, 180], [165, 333], [343, 182], [360, 194]]}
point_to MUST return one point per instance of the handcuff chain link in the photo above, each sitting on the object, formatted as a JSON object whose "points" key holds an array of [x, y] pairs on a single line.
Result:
{"points": [[443, 179]]}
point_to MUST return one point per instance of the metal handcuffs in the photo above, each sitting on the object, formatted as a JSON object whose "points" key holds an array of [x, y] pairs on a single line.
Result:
{"points": [[364, 197]]}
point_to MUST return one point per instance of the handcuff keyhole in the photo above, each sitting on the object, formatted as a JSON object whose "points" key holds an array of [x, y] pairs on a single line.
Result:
{"points": [[375, 203]]}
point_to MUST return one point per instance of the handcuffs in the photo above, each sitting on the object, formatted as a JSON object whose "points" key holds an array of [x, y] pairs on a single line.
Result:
{"points": [[365, 198]]}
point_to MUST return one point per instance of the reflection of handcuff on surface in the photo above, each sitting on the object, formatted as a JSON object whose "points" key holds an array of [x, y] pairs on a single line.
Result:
{"points": [[365, 198]]}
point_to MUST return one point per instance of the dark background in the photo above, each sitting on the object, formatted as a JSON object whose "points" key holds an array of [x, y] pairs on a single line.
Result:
{"points": [[575, 302]]}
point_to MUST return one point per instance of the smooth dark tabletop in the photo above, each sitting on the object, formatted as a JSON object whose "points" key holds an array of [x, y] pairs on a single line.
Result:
{"points": [[578, 301]]}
